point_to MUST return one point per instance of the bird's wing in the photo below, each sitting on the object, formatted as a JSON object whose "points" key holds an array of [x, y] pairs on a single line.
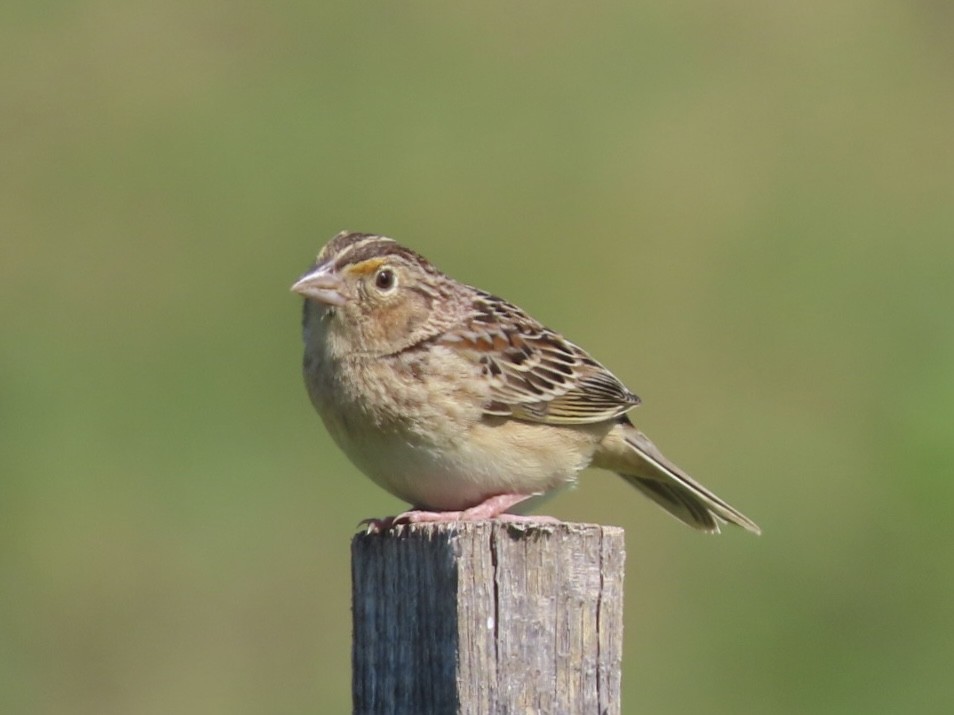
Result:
{"points": [[532, 372]]}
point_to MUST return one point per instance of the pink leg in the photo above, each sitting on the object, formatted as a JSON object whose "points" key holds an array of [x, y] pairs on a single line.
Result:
{"points": [[491, 508], [487, 509]]}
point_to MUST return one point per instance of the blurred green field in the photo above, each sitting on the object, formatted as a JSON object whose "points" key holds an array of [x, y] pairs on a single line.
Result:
{"points": [[745, 210]]}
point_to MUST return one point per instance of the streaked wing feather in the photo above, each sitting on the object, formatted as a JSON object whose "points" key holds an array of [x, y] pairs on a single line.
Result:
{"points": [[533, 373]]}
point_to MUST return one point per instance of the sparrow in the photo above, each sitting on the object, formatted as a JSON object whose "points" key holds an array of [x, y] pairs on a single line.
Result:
{"points": [[462, 404]]}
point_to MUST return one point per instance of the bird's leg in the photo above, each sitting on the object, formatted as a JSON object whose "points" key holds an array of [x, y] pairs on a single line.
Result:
{"points": [[494, 507], [488, 509]]}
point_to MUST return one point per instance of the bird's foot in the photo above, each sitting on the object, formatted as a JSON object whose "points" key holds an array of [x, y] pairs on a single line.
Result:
{"points": [[494, 507]]}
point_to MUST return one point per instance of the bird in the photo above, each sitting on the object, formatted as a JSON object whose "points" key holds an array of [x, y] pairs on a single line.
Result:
{"points": [[460, 403]]}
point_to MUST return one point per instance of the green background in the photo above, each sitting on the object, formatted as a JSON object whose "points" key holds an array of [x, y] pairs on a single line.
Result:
{"points": [[744, 209]]}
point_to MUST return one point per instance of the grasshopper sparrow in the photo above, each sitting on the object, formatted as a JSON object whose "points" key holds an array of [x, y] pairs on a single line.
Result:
{"points": [[460, 403]]}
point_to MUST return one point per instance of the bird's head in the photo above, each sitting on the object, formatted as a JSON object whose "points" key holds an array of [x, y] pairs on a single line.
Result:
{"points": [[367, 295]]}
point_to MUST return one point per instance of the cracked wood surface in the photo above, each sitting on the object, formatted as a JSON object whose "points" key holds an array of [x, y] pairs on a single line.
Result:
{"points": [[488, 618]]}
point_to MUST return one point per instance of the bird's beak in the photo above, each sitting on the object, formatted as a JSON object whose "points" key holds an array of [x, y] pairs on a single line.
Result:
{"points": [[323, 285]]}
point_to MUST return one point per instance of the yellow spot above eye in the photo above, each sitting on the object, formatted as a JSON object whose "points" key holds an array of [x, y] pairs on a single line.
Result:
{"points": [[366, 267]]}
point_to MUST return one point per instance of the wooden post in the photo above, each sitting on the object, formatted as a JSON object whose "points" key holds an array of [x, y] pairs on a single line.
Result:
{"points": [[488, 618]]}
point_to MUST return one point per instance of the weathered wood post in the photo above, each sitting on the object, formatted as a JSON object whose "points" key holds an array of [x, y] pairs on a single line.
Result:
{"points": [[488, 618]]}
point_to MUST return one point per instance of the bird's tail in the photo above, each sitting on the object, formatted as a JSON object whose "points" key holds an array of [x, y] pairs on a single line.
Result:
{"points": [[629, 452]]}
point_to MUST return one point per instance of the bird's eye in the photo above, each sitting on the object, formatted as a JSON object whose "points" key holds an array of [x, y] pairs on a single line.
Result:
{"points": [[385, 279]]}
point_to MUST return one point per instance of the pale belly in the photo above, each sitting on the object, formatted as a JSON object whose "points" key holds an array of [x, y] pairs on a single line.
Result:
{"points": [[449, 457], [456, 471]]}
